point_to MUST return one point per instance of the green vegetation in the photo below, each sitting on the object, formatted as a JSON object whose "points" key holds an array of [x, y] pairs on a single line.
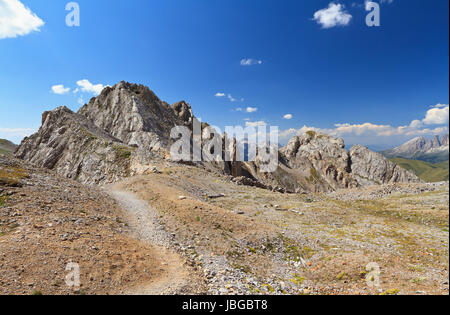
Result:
{"points": [[123, 153], [2, 201], [426, 171], [11, 176], [314, 176], [297, 280], [391, 292]]}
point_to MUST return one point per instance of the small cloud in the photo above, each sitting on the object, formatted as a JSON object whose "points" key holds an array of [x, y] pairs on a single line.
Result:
{"points": [[87, 86], [251, 110], [288, 116], [250, 62], [239, 109], [17, 20], [334, 15], [231, 98], [60, 89]]}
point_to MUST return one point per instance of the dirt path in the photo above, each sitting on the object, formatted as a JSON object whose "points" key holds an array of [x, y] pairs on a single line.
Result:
{"points": [[143, 221]]}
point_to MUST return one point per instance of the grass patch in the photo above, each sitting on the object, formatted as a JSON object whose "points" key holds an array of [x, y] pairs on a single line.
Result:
{"points": [[2, 201], [429, 172], [122, 152], [11, 176]]}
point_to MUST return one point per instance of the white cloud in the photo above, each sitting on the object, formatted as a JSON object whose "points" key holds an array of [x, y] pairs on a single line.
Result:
{"points": [[231, 98], [438, 115], [87, 86], [288, 116], [251, 110], [375, 134], [15, 134], [60, 89], [334, 15], [17, 20], [250, 62]]}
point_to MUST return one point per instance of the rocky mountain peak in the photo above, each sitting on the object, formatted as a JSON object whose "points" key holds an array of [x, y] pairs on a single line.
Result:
{"points": [[136, 116]]}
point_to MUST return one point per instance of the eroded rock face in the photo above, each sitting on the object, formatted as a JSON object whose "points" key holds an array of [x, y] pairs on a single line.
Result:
{"points": [[310, 162], [74, 147], [135, 115], [320, 163], [372, 168]]}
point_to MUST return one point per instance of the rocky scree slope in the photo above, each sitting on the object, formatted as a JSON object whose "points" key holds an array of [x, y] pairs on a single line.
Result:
{"points": [[120, 132]]}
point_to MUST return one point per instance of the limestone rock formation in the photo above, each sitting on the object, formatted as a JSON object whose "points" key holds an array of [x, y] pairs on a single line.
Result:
{"points": [[74, 147], [372, 168], [136, 116]]}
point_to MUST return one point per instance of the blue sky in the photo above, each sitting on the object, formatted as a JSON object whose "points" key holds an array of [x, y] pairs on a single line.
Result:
{"points": [[237, 62]]}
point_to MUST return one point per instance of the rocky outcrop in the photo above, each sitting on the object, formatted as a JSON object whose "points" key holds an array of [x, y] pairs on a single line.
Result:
{"points": [[74, 147], [136, 116], [368, 168], [320, 163]]}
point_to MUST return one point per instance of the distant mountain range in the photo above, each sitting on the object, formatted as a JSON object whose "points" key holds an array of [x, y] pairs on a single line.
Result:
{"points": [[433, 150], [427, 158], [7, 147]]}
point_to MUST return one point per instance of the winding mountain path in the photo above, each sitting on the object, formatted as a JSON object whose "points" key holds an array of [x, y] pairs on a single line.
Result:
{"points": [[143, 221]]}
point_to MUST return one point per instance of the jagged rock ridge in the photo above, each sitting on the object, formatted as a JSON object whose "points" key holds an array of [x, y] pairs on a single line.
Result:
{"points": [[118, 133], [318, 162]]}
